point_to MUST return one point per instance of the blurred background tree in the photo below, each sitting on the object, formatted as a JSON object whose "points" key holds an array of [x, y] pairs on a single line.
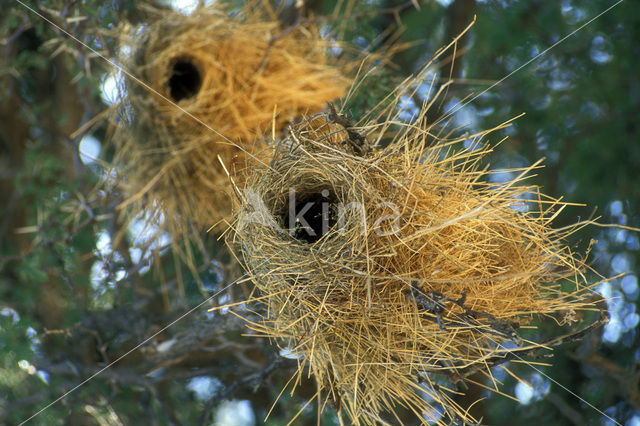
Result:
{"points": [[75, 298]]}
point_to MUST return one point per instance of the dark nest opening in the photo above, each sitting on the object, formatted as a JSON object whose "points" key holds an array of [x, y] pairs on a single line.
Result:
{"points": [[185, 80], [309, 215]]}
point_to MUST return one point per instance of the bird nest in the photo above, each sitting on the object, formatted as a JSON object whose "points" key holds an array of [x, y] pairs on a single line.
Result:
{"points": [[385, 270], [206, 88]]}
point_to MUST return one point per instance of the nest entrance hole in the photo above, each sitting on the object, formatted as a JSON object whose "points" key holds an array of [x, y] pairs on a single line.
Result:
{"points": [[185, 79], [310, 215]]}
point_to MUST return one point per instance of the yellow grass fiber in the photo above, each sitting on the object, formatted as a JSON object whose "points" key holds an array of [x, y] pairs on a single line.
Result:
{"points": [[426, 270], [217, 82]]}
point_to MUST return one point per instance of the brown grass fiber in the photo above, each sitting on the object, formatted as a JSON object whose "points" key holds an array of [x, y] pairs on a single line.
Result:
{"points": [[377, 319], [217, 83]]}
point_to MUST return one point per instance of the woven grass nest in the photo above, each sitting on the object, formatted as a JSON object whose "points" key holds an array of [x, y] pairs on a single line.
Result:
{"points": [[216, 83], [387, 270]]}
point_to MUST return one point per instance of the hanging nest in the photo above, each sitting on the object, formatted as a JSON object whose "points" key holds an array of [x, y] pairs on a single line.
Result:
{"points": [[212, 85], [388, 270]]}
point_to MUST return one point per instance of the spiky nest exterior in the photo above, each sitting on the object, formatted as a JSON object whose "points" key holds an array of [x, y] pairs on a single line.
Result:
{"points": [[423, 266], [215, 84]]}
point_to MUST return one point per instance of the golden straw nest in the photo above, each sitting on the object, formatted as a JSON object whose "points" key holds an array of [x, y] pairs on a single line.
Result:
{"points": [[387, 270], [209, 85]]}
